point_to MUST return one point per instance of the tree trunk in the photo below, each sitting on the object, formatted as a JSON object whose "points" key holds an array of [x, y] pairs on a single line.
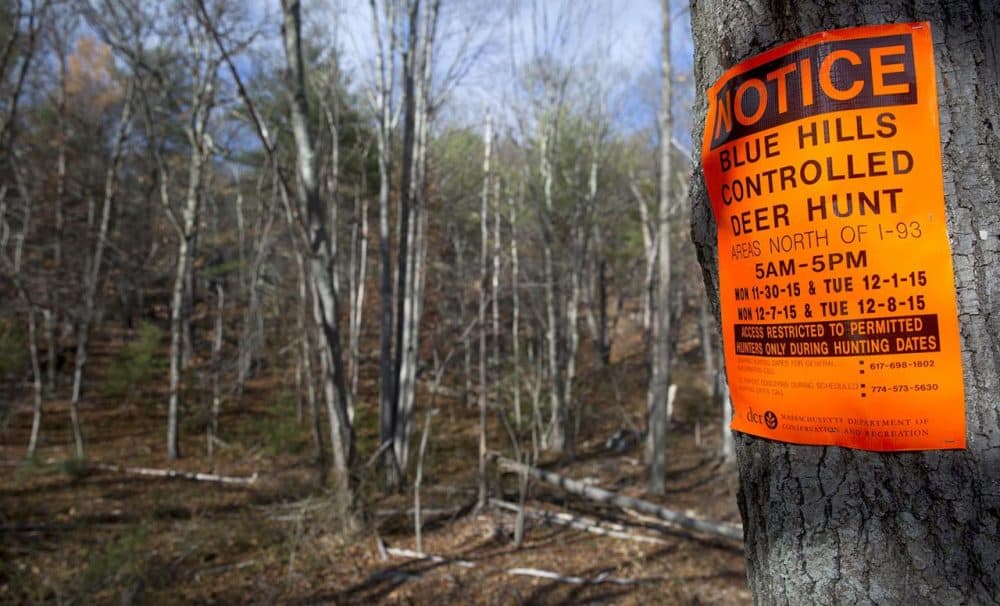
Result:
{"points": [[835, 525], [515, 329], [306, 354], [179, 309], [383, 89], [659, 384], [555, 436], [359, 270], [36, 374], [483, 275], [404, 302], [322, 265], [213, 423]]}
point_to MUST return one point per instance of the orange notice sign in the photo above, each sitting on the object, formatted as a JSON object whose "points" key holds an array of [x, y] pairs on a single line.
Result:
{"points": [[823, 164]]}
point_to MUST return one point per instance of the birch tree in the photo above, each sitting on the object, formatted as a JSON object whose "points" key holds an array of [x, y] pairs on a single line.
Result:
{"points": [[322, 260]]}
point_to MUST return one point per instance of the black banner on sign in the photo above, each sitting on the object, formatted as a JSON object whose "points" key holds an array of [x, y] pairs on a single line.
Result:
{"points": [[882, 336]]}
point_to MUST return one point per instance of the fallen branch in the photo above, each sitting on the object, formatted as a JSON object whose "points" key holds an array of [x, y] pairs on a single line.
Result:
{"points": [[719, 529], [555, 576], [409, 511], [223, 568], [419, 555], [591, 525], [178, 474]]}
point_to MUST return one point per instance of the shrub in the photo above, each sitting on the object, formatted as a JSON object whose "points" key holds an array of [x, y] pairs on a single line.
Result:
{"points": [[13, 347], [278, 430], [135, 364]]}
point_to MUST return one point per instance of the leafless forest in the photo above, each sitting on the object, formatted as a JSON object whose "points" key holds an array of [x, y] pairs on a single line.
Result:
{"points": [[359, 301]]}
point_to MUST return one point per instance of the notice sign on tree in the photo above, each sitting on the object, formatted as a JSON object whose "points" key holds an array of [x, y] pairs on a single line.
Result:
{"points": [[823, 164]]}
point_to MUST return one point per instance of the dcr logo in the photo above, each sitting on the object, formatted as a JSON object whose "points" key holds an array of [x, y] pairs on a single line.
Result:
{"points": [[768, 418]]}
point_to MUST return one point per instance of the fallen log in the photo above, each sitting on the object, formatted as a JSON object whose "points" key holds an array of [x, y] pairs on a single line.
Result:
{"points": [[178, 474], [593, 493], [419, 555], [223, 568], [574, 580], [616, 531]]}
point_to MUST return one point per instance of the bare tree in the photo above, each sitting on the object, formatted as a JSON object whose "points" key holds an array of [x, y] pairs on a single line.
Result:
{"points": [[384, 33], [483, 279], [322, 260], [659, 384]]}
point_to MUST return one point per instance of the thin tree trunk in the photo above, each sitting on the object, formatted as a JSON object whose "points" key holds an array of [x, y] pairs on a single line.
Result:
{"points": [[197, 134], [656, 448], [572, 412], [188, 294], [388, 410], [483, 277], [359, 270], [515, 308], [404, 304], [495, 286], [649, 254], [306, 355], [213, 425], [322, 265], [36, 373], [555, 436], [418, 522]]}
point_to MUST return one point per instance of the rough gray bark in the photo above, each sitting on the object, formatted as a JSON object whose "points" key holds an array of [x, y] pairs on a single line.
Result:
{"points": [[830, 525]]}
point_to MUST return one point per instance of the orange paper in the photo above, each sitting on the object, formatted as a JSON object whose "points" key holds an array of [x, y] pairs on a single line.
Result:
{"points": [[823, 164]]}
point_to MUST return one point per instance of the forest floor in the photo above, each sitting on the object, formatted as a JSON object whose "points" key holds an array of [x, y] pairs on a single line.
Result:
{"points": [[71, 533]]}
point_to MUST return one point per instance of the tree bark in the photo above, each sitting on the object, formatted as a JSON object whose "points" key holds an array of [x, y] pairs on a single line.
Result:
{"points": [[555, 435], [213, 423], [358, 270], [515, 320], [659, 384], [831, 525], [483, 275], [322, 264], [197, 135], [383, 87], [404, 302]]}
